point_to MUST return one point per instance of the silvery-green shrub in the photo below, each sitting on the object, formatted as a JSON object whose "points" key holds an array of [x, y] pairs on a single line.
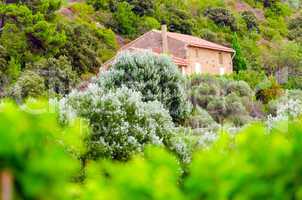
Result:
{"points": [[155, 76], [122, 124]]}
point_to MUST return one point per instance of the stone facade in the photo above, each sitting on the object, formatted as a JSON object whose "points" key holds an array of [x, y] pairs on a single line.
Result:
{"points": [[208, 61]]}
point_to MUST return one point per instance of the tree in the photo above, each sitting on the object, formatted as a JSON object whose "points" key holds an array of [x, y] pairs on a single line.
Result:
{"points": [[122, 124], [250, 20], [221, 17], [57, 74], [155, 76], [142, 7], [239, 60], [87, 47], [126, 19]]}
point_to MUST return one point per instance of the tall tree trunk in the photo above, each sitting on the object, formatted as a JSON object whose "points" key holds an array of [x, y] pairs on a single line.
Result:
{"points": [[6, 185]]}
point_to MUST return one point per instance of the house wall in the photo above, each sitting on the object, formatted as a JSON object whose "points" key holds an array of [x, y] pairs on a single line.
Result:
{"points": [[209, 61]]}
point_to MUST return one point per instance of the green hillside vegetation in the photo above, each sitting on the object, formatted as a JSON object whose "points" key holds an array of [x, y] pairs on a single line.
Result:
{"points": [[41, 159], [68, 42], [44, 53], [142, 130]]}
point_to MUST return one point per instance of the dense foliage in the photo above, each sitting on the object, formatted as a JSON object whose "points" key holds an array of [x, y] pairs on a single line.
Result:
{"points": [[252, 154], [225, 100], [122, 124], [33, 152], [209, 151], [36, 40], [155, 76], [82, 32], [36, 149]]}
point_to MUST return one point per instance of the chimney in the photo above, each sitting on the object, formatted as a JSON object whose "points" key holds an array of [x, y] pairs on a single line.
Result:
{"points": [[164, 39]]}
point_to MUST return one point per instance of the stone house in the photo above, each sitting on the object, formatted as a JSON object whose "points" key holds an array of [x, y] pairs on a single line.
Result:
{"points": [[191, 54]]}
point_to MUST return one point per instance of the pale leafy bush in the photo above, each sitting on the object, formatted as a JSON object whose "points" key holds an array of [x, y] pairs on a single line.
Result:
{"points": [[199, 118], [249, 165], [225, 100], [29, 84], [241, 88], [288, 107], [155, 76], [122, 124]]}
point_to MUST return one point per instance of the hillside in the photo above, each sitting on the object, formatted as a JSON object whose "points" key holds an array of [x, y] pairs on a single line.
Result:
{"points": [[68, 41], [142, 129]]}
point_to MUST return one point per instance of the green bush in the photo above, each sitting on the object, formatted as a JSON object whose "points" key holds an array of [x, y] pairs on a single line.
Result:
{"points": [[257, 159], [122, 125], [222, 17], [152, 176], [295, 28], [256, 155], [126, 20], [99, 4], [147, 24], [250, 20], [222, 98], [58, 75], [200, 118], [241, 88], [268, 90], [155, 76], [86, 45], [252, 77], [29, 84], [33, 154]]}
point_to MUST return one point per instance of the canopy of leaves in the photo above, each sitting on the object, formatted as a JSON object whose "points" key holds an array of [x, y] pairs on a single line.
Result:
{"points": [[121, 123], [155, 76]]}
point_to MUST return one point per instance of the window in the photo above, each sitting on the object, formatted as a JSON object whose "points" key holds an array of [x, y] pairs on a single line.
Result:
{"points": [[183, 70], [221, 70], [197, 68], [196, 53], [220, 57]]}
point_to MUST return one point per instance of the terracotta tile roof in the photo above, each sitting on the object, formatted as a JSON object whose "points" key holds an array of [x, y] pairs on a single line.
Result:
{"points": [[197, 42], [178, 61]]}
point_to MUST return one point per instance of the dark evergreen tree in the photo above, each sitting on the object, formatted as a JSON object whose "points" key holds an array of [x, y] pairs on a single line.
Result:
{"points": [[239, 60]]}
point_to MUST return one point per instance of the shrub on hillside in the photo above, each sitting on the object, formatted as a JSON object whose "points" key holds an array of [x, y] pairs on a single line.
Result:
{"points": [[155, 76], [250, 20], [222, 17], [252, 77], [57, 73], [200, 118], [147, 24], [256, 155], [29, 84], [87, 47], [122, 124], [239, 59], [268, 90], [241, 88], [213, 170], [288, 105], [127, 21], [222, 98], [295, 28]]}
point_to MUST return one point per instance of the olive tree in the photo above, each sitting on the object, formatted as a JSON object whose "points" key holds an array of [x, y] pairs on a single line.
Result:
{"points": [[155, 76]]}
